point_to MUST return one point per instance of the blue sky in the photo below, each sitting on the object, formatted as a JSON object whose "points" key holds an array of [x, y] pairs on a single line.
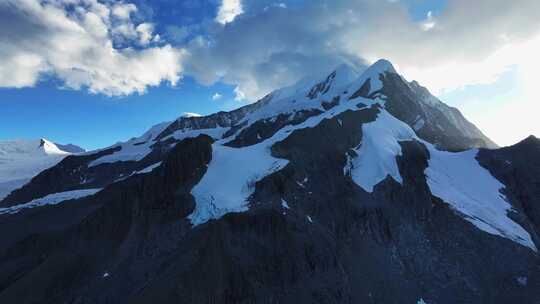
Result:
{"points": [[95, 120], [172, 57]]}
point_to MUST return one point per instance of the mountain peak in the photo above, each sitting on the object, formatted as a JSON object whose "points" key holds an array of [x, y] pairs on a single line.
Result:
{"points": [[529, 141], [370, 81], [49, 147], [381, 66]]}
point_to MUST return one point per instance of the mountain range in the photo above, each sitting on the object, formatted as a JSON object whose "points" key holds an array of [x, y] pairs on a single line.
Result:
{"points": [[354, 187]]}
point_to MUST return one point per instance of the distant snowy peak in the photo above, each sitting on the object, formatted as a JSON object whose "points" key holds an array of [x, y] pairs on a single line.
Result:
{"points": [[50, 148], [20, 160], [30, 148]]}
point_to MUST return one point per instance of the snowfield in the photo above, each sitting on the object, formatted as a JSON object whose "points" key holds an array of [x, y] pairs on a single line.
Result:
{"points": [[459, 180], [51, 199], [378, 151]]}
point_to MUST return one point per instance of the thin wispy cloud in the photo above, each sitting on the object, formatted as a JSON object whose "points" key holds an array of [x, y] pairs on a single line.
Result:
{"points": [[216, 96]]}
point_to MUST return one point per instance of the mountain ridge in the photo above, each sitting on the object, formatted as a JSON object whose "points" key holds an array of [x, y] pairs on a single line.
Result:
{"points": [[360, 193]]}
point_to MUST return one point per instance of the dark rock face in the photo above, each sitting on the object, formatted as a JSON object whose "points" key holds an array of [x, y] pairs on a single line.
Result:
{"points": [[125, 230], [132, 242], [518, 167], [322, 87], [363, 91], [432, 120], [266, 128]]}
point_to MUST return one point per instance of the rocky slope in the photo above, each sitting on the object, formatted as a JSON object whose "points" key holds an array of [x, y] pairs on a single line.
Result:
{"points": [[357, 188]]}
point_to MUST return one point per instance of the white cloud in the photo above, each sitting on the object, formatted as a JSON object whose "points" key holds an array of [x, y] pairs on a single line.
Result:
{"points": [[123, 11], [216, 96], [228, 10], [269, 48], [145, 33], [41, 38], [239, 95]]}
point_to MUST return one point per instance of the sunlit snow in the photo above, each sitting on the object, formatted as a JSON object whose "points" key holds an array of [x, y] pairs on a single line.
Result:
{"points": [[377, 153]]}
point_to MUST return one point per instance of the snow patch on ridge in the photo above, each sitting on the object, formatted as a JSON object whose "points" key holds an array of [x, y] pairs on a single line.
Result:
{"points": [[149, 168], [284, 204], [459, 180], [137, 148], [456, 178], [215, 133], [230, 180], [51, 199], [378, 151], [134, 149]]}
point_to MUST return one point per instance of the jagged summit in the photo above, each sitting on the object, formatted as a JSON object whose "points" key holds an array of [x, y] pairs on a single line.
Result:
{"points": [[30, 148], [50, 148], [381, 66]]}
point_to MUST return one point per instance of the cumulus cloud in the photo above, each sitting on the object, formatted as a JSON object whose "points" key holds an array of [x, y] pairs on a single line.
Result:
{"points": [[228, 10], [84, 43], [270, 46]]}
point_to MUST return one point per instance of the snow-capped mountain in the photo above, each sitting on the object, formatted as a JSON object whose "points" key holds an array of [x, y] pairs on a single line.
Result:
{"points": [[354, 187], [20, 160]]}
